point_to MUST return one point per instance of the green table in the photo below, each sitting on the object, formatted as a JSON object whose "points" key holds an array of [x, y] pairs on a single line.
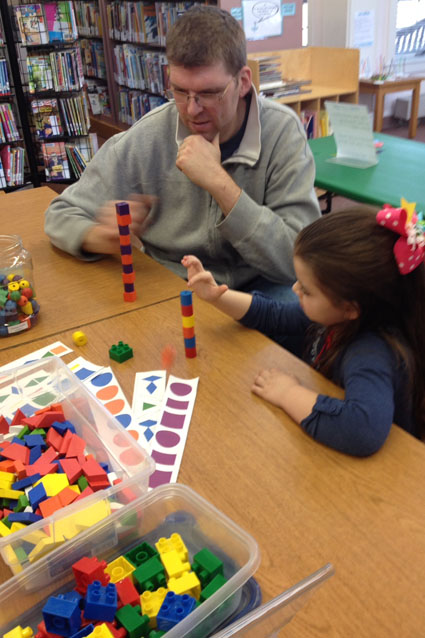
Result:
{"points": [[400, 172]]}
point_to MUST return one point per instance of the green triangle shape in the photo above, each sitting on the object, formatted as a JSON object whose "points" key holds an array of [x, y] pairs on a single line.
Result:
{"points": [[47, 354], [146, 406]]}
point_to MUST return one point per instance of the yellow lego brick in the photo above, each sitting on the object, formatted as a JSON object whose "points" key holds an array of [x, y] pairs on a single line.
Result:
{"points": [[4, 530], [173, 564], [174, 542], [18, 632], [150, 602], [54, 483], [119, 568], [188, 322], [101, 631], [187, 583], [8, 493]]}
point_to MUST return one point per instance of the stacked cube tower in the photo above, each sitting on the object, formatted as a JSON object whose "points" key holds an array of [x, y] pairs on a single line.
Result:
{"points": [[128, 274], [188, 324]]}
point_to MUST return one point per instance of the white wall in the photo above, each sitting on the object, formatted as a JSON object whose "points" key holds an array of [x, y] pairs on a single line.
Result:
{"points": [[332, 23]]}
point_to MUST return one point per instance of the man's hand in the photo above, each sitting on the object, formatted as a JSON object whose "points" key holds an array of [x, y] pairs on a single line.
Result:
{"points": [[103, 236], [200, 160], [202, 281]]}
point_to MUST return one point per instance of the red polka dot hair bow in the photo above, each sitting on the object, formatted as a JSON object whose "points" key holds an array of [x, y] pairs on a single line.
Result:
{"points": [[409, 250]]}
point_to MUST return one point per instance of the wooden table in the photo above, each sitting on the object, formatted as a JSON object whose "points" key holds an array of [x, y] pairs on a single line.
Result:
{"points": [[304, 503], [73, 292], [380, 90]]}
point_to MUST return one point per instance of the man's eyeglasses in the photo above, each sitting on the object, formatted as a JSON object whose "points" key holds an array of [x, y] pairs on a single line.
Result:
{"points": [[203, 99]]}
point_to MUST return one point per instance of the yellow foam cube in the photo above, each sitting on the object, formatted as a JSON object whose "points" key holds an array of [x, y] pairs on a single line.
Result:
{"points": [[173, 564], [187, 583], [15, 527], [119, 568], [7, 476], [174, 542], [54, 483], [150, 602], [4, 530], [9, 493]]}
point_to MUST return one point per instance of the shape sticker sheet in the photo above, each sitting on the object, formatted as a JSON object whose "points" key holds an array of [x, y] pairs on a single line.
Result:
{"points": [[170, 433], [57, 349], [148, 395]]}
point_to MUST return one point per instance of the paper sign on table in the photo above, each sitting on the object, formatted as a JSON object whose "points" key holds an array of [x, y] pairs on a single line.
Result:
{"points": [[353, 134]]}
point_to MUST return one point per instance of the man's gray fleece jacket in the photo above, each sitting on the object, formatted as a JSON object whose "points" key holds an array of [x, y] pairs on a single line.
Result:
{"points": [[273, 165]]}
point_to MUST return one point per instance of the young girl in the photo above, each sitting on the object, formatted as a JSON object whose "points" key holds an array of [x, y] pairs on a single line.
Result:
{"points": [[361, 290]]}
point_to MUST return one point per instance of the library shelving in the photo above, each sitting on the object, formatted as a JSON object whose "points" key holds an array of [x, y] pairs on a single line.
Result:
{"points": [[44, 38], [17, 164], [331, 73], [134, 35]]}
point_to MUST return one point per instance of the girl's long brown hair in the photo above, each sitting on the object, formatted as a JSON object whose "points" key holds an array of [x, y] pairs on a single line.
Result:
{"points": [[352, 259]]}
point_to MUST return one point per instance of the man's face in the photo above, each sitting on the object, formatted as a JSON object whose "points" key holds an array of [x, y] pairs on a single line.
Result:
{"points": [[222, 112]]}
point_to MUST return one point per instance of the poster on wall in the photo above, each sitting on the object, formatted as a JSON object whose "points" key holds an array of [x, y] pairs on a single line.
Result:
{"points": [[364, 29], [262, 19]]}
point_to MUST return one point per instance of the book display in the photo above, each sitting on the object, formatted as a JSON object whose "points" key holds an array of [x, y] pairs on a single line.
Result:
{"points": [[45, 39]]}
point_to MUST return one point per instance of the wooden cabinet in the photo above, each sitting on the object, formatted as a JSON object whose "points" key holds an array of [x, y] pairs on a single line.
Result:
{"points": [[334, 75]]}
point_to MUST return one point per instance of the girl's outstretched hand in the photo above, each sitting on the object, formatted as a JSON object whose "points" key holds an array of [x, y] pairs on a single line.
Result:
{"points": [[201, 281], [273, 384]]}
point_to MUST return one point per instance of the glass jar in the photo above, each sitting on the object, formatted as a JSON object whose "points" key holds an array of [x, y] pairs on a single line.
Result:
{"points": [[18, 306]]}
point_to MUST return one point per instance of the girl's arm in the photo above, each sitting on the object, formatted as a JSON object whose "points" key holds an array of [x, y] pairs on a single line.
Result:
{"points": [[231, 302], [285, 391]]}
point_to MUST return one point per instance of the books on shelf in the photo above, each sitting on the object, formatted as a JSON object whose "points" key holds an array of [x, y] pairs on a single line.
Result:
{"points": [[13, 162], [39, 73], [46, 118], [282, 88], [98, 97], [93, 58], [8, 128], [133, 21], [140, 69], [309, 120], [67, 70], [3, 182], [61, 23], [80, 151], [4, 78], [31, 24], [56, 165], [75, 114], [134, 104], [88, 18]]}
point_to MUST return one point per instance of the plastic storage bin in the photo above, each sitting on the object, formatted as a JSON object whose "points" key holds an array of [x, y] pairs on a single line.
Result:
{"points": [[33, 386], [267, 621], [163, 511]]}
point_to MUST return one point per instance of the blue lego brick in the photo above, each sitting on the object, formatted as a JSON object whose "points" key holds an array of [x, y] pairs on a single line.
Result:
{"points": [[85, 631], [190, 343], [173, 610], [186, 298], [24, 517], [36, 495], [61, 616], [101, 603], [26, 482]]}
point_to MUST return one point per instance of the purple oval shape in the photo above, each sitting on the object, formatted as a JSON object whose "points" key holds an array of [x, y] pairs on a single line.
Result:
{"points": [[180, 388], [167, 438]]}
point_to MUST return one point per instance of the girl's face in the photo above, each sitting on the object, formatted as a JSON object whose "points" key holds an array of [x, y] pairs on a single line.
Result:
{"points": [[317, 306]]}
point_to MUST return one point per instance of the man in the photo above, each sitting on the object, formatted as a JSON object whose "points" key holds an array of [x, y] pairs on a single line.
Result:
{"points": [[218, 172]]}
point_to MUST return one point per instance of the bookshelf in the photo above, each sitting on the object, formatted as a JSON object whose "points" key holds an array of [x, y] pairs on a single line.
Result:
{"points": [[133, 39], [42, 38], [17, 162], [333, 72]]}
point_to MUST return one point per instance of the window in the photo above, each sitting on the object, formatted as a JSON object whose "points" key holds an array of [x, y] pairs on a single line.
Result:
{"points": [[410, 28]]}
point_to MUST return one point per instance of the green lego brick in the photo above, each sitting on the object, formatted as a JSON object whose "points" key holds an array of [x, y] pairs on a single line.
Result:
{"points": [[129, 617], [149, 575], [141, 554], [217, 582], [206, 566], [120, 352]]}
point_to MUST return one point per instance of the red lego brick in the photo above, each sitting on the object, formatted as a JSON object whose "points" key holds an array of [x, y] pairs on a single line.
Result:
{"points": [[127, 593], [86, 570]]}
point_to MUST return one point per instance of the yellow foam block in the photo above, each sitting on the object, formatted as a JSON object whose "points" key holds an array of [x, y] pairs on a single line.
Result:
{"points": [[44, 546], [176, 543], [119, 568], [15, 527], [54, 483], [173, 564], [75, 488], [35, 536], [188, 322], [8, 493], [151, 602], [187, 583], [4, 530], [7, 476]]}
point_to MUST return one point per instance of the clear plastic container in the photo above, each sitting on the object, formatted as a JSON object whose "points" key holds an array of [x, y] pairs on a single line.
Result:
{"points": [[164, 510], [18, 304], [31, 387]]}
